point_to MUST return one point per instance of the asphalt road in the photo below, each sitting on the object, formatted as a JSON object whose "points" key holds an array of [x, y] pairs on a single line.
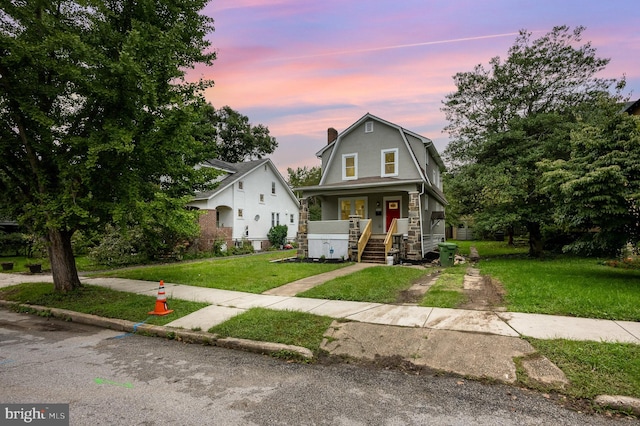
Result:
{"points": [[111, 378]]}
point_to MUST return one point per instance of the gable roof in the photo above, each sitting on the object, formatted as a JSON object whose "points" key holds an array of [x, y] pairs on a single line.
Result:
{"points": [[237, 171], [428, 143]]}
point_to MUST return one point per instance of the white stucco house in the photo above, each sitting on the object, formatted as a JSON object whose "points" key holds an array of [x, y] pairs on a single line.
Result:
{"points": [[251, 197]]}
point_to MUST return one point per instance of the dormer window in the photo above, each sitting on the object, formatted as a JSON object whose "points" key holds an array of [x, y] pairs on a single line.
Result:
{"points": [[349, 166], [389, 162], [368, 127]]}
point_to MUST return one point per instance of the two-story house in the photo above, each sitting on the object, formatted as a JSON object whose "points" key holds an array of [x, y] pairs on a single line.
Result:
{"points": [[381, 185], [250, 198]]}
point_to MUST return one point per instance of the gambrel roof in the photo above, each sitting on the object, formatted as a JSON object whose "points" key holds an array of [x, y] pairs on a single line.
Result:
{"points": [[371, 182]]}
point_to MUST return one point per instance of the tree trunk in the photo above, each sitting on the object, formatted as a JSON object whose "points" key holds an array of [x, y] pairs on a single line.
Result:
{"points": [[535, 240], [510, 232], [63, 263]]}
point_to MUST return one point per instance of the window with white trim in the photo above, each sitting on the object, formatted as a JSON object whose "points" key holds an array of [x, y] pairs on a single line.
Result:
{"points": [[368, 127], [273, 188], [291, 219], [349, 166], [389, 162], [240, 213], [262, 198], [240, 185]]}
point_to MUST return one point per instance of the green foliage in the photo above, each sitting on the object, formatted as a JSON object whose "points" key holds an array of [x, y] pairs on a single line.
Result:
{"points": [[304, 176], [278, 235], [597, 188], [238, 140], [507, 119], [245, 247], [13, 243], [119, 248], [96, 119]]}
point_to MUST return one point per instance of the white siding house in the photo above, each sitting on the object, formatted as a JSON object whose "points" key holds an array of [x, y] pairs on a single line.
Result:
{"points": [[250, 198]]}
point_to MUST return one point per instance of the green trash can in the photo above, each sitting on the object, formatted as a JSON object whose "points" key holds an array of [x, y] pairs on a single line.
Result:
{"points": [[447, 253]]}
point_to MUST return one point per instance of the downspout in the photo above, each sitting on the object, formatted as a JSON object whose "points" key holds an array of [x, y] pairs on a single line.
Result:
{"points": [[420, 210]]}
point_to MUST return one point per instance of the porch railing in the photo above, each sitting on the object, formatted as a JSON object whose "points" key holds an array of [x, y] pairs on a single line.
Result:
{"points": [[364, 239], [388, 241]]}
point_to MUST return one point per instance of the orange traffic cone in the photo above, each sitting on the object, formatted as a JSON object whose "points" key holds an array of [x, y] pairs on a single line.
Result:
{"points": [[161, 302]]}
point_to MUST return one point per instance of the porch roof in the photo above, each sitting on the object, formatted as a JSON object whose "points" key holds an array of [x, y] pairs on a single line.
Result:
{"points": [[369, 184]]}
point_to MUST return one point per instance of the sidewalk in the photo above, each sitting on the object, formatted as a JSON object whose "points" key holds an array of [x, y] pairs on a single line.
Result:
{"points": [[470, 343]]}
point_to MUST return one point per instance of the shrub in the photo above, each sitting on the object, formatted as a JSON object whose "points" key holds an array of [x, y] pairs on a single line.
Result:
{"points": [[278, 235]]}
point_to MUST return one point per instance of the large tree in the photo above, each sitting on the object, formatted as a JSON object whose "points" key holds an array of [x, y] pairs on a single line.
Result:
{"points": [[237, 139], [596, 190], [96, 119], [505, 119]]}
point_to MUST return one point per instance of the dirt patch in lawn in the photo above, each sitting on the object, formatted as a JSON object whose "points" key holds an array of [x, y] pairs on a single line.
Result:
{"points": [[486, 295], [415, 293]]}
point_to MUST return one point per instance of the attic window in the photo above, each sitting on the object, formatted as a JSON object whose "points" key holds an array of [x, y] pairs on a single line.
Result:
{"points": [[349, 166], [240, 185], [368, 127]]}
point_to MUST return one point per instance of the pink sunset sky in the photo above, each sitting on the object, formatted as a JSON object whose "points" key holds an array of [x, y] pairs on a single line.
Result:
{"points": [[301, 66]]}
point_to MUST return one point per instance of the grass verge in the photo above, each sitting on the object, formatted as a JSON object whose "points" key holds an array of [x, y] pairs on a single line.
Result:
{"points": [[99, 301], [447, 290], [595, 368], [251, 274], [286, 327], [378, 284]]}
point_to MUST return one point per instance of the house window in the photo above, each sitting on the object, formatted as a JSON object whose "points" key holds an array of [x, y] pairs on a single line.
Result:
{"points": [[353, 206], [241, 185], [262, 198], [240, 213], [389, 159], [349, 166], [368, 127], [275, 219], [291, 219], [273, 188]]}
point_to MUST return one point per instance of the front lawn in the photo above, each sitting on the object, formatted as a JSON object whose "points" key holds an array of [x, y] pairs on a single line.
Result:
{"points": [[251, 274], [378, 284], [567, 285]]}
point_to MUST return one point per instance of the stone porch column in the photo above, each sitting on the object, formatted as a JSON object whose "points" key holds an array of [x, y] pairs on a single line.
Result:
{"points": [[414, 241], [354, 236], [302, 236]]}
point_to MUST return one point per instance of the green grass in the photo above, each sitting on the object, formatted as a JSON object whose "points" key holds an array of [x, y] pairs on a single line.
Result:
{"points": [[595, 368], [287, 327], [567, 286], [379, 284], [20, 262], [488, 249], [251, 274], [99, 301], [447, 290]]}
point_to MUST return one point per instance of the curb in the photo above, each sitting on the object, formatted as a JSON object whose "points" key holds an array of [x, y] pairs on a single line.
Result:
{"points": [[187, 336], [619, 402]]}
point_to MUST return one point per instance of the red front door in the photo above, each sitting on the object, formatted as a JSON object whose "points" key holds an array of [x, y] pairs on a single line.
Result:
{"points": [[392, 211]]}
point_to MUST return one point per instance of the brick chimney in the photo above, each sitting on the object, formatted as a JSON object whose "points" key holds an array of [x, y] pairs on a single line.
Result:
{"points": [[332, 135]]}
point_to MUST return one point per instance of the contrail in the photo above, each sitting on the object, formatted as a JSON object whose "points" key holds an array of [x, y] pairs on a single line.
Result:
{"points": [[398, 46]]}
